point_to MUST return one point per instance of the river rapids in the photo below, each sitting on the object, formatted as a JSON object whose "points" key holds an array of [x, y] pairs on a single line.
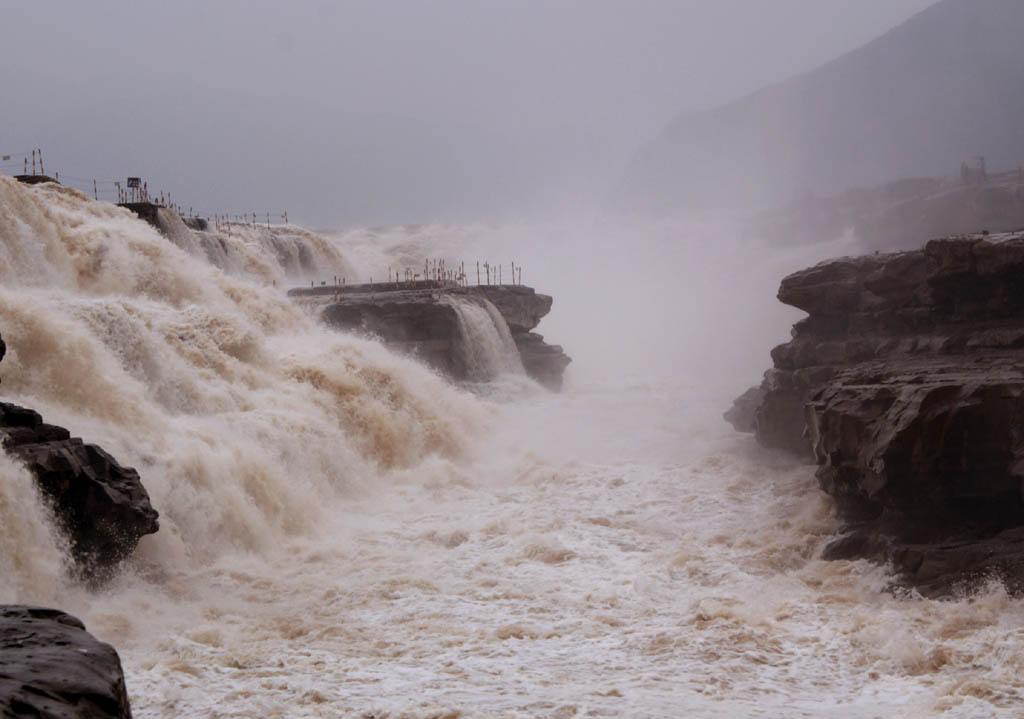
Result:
{"points": [[345, 533]]}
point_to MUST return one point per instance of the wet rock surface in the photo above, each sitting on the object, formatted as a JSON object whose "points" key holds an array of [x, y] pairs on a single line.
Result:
{"points": [[412, 321], [51, 667], [543, 362], [905, 384], [521, 306], [101, 506], [421, 322]]}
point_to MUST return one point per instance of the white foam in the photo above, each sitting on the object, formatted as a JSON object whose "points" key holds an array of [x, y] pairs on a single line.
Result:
{"points": [[343, 533]]}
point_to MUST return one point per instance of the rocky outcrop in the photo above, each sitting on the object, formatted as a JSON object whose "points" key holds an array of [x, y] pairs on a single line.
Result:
{"points": [[743, 413], [422, 318], [522, 307], [906, 384], [543, 362], [414, 322], [101, 506], [51, 667]]}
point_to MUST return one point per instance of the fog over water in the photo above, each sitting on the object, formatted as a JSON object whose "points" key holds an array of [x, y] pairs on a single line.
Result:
{"points": [[345, 532]]}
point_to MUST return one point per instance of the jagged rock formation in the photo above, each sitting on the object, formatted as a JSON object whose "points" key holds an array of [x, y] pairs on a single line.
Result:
{"points": [[51, 667], [543, 362], [424, 321], [743, 413], [906, 383], [101, 506]]}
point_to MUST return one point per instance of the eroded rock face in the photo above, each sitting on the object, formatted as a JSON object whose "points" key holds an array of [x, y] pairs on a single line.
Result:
{"points": [[50, 666], [101, 506], [906, 384], [925, 458]]}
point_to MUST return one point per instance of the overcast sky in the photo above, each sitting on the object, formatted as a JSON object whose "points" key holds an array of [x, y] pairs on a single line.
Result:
{"points": [[385, 111]]}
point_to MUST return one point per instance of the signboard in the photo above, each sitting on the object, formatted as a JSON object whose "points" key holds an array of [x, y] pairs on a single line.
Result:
{"points": [[134, 182], [5, 157]]}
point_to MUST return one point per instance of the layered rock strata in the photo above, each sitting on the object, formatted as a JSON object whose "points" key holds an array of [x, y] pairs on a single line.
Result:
{"points": [[906, 384], [50, 666]]}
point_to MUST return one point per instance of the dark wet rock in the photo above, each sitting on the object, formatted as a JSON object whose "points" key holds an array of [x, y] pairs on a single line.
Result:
{"points": [[51, 667], [102, 507], [414, 322], [906, 384], [521, 306], [545, 363], [35, 179], [956, 297], [742, 413], [421, 319]]}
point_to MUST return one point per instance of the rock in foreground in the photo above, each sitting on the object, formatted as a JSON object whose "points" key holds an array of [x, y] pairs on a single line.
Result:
{"points": [[906, 384], [101, 506], [51, 667]]}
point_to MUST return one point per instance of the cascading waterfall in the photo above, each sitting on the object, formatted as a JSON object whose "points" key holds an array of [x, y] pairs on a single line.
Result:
{"points": [[486, 347], [242, 415], [343, 535], [265, 254]]}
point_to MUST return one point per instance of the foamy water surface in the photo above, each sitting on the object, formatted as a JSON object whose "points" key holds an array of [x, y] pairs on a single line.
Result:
{"points": [[344, 533]]}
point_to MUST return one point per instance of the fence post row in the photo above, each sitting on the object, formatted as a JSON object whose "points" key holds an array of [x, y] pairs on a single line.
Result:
{"points": [[436, 270]]}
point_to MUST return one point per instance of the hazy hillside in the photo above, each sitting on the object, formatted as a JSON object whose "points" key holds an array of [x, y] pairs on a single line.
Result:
{"points": [[944, 86]]}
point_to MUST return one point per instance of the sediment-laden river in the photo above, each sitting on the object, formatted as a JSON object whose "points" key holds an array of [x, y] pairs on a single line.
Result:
{"points": [[345, 533]]}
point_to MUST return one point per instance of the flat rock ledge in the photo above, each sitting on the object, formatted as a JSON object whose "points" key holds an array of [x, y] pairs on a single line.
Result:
{"points": [[415, 318], [906, 386], [51, 667]]}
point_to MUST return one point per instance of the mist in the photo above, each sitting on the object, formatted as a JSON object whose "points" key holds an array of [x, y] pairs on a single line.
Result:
{"points": [[386, 491], [361, 113]]}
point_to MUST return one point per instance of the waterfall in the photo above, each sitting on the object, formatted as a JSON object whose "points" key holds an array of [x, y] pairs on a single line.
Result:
{"points": [[280, 254], [485, 346], [242, 414]]}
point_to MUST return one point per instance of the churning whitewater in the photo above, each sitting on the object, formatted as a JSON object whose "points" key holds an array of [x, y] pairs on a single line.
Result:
{"points": [[345, 533]]}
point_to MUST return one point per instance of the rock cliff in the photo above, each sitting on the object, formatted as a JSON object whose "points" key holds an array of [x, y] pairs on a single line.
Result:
{"points": [[906, 384], [50, 666]]}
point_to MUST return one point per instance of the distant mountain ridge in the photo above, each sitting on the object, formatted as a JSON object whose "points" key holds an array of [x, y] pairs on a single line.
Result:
{"points": [[945, 86]]}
